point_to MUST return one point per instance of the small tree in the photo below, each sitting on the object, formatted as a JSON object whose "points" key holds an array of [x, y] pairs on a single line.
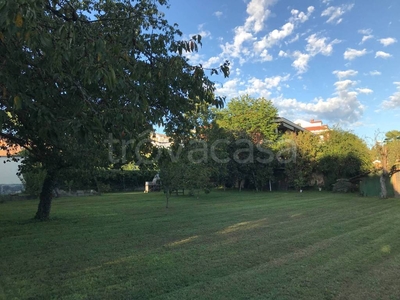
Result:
{"points": [[186, 172], [33, 181]]}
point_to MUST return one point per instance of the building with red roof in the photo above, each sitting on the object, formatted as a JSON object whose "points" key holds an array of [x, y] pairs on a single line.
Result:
{"points": [[314, 126]]}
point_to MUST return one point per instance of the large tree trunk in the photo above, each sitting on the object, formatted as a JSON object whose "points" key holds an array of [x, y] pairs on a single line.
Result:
{"points": [[46, 196], [382, 180], [384, 174], [167, 194], [255, 181]]}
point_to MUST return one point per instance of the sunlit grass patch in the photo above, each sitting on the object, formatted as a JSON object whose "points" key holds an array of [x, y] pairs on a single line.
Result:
{"points": [[225, 245]]}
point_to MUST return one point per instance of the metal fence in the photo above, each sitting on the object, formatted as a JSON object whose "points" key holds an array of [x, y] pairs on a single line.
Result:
{"points": [[370, 186]]}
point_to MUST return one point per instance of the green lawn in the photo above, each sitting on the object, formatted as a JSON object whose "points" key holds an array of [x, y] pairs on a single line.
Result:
{"points": [[225, 245]]}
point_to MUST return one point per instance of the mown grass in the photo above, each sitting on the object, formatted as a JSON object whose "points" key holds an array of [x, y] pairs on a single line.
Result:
{"points": [[225, 245]]}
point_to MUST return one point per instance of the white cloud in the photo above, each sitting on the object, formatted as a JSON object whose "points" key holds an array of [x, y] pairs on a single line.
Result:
{"points": [[365, 91], [334, 13], [254, 86], [294, 39], [317, 45], [344, 84], [265, 56], [388, 41], [235, 49], [343, 107], [218, 14], [286, 30], [247, 44], [394, 100], [365, 31], [211, 62], [345, 74], [277, 35], [301, 61], [366, 38], [229, 88], [264, 87], [258, 13], [351, 54], [194, 57], [375, 73], [204, 33], [382, 54], [275, 81], [299, 16], [282, 54], [257, 86], [274, 37]]}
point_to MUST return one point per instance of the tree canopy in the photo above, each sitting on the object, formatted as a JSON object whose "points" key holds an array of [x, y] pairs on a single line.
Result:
{"points": [[392, 135], [73, 72], [252, 116], [343, 155], [393, 149], [300, 170]]}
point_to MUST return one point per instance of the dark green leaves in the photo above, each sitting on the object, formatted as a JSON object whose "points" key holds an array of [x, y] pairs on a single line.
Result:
{"points": [[76, 71]]}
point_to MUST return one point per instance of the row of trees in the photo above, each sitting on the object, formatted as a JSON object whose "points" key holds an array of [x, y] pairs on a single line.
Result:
{"points": [[241, 144], [336, 154]]}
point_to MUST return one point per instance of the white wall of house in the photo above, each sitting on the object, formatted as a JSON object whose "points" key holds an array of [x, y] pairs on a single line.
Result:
{"points": [[8, 172], [306, 124]]}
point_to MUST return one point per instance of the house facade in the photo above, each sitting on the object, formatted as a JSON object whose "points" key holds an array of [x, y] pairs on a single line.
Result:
{"points": [[160, 140], [314, 126]]}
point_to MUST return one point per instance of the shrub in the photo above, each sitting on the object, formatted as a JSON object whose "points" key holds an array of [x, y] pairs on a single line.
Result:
{"points": [[343, 186], [33, 181]]}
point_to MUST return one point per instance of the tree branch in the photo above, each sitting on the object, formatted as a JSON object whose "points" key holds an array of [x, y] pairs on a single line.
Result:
{"points": [[60, 15]]}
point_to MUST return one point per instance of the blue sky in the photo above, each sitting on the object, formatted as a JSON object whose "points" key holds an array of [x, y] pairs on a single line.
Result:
{"points": [[330, 60]]}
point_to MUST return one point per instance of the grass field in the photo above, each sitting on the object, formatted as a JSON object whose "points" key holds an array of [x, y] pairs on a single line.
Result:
{"points": [[225, 245]]}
